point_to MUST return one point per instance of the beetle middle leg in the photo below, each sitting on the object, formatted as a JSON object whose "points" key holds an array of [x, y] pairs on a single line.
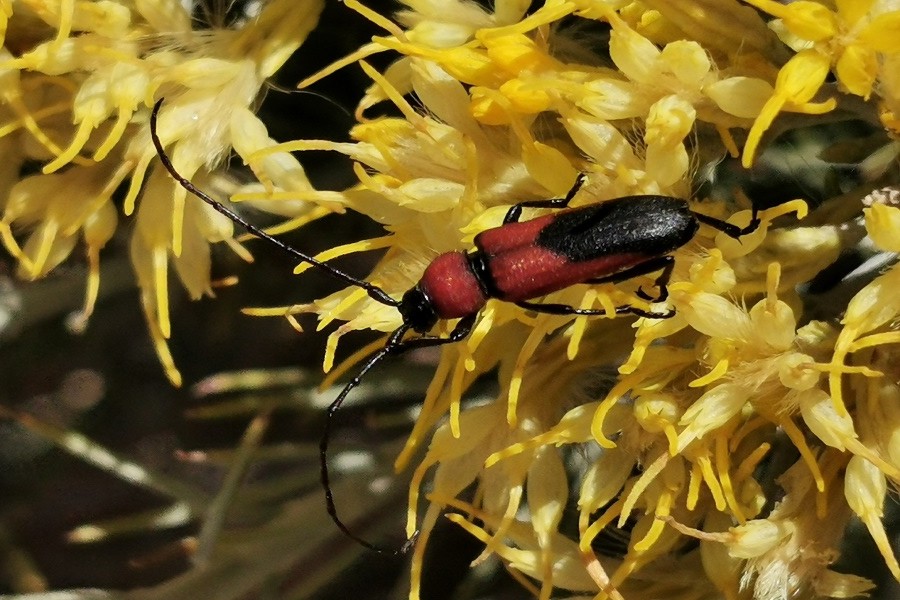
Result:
{"points": [[515, 211], [663, 263]]}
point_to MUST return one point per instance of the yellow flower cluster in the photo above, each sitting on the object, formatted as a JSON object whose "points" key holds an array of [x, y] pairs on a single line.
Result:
{"points": [[511, 105], [78, 80], [857, 41], [514, 109]]}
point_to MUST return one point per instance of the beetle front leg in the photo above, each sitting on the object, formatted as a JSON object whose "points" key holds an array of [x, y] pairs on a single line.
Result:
{"points": [[459, 332], [515, 211], [394, 346]]}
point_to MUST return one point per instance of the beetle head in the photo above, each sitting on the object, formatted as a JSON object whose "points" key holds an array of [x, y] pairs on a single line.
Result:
{"points": [[417, 310]]}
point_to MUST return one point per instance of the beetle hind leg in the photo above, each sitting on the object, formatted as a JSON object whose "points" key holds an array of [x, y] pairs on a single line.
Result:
{"points": [[565, 309], [732, 231], [663, 263]]}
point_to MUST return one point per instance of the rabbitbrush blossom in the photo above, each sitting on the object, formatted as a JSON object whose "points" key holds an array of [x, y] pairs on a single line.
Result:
{"points": [[78, 81], [684, 447]]}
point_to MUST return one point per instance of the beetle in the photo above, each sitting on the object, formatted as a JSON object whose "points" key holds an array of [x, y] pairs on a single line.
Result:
{"points": [[516, 262]]}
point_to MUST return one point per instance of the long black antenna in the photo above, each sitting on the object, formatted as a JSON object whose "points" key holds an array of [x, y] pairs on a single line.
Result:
{"points": [[393, 345], [375, 292]]}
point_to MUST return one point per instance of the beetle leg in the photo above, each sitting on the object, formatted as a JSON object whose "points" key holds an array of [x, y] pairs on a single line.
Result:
{"points": [[664, 263], [565, 309], [515, 211], [649, 314], [460, 332], [661, 283], [728, 229]]}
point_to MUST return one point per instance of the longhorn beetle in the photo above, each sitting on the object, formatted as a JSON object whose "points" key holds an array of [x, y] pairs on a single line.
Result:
{"points": [[516, 262]]}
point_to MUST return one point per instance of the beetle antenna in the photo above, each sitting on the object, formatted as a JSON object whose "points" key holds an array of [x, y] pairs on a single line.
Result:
{"points": [[375, 292], [392, 345]]}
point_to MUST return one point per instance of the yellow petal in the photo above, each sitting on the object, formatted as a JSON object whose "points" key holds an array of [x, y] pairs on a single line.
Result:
{"points": [[547, 490], [755, 538], [875, 304], [802, 76], [856, 70], [600, 140], [740, 96], [883, 33], [669, 120], [549, 167], [883, 225], [635, 55], [688, 61], [797, 82], [517, 53], [865, 489], [851, 11], [525, 98], [810, 20], [611, 99], [485, 108]]}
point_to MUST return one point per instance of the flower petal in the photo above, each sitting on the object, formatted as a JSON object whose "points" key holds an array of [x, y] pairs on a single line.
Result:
{"points": [[856, 70]]}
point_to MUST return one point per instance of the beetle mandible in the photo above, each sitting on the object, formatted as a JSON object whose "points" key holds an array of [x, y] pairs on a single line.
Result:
{"points": [[516, 262]]}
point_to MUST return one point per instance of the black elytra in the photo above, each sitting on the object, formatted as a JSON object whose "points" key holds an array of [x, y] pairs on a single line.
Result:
{"points": [[650, 225]]}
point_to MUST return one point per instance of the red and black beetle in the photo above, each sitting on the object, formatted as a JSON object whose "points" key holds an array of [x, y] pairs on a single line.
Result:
{"points": [[516, 262]]}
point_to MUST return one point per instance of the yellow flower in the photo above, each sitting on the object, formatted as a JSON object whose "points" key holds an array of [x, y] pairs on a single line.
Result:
{"points": [[93, 83], [679, 435], [794, 560], [798, 81], [659, 428], [851, 36], [848, 40], [883, 222]]}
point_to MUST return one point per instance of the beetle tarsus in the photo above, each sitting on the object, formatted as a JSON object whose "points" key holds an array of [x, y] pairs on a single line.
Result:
{"points": [[662, 284]]}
